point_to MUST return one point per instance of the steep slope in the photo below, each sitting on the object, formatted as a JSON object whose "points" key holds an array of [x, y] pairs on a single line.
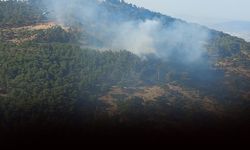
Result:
{"points": [[70, 70]]}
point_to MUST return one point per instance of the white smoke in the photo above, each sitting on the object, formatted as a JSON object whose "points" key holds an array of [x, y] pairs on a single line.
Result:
{"points": [[151, 37], [142, 37], [137, 38]]}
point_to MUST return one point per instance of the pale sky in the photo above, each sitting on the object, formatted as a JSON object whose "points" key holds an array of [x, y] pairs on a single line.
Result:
{"points": [[206, 12]]}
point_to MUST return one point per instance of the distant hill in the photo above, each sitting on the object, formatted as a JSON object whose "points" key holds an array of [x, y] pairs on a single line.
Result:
{"points": [[237, 28]]}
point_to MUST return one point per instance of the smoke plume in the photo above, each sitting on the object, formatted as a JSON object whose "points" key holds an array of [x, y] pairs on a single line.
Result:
{"points": [[116, 30]]}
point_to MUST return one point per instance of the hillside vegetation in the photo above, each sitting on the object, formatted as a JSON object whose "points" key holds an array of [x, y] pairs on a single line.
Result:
{"points": [[52, 75]]}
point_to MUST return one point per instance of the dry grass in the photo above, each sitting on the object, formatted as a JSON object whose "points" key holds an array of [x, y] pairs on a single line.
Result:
{"points": [[231, 66], [40, 26], [189, 94], [146, 93], [22, 40], [150, 93], [17, 37], [110, 101], [191, 97]]}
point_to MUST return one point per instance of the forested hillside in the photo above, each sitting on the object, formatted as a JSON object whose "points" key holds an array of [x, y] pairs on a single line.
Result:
{"points": [[16, 13], [58, 77]]}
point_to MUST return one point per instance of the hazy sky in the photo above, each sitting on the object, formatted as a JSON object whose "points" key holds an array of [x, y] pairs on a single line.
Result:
{"points": [[205, 12]]}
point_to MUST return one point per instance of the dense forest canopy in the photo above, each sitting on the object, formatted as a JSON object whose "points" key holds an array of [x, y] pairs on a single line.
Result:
{"points": [[60, 75]]}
